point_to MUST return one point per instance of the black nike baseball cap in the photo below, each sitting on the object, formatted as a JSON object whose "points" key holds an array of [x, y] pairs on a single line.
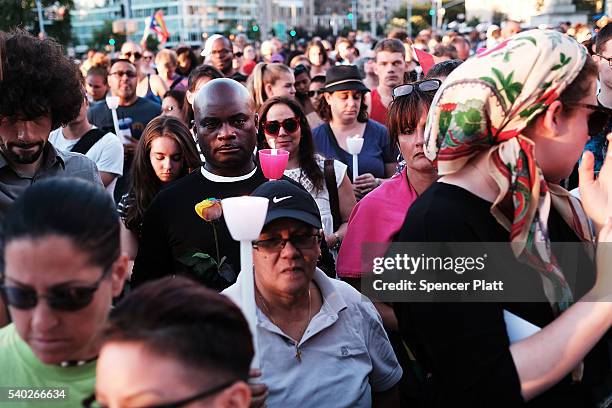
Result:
{"points": [[287, 200]]}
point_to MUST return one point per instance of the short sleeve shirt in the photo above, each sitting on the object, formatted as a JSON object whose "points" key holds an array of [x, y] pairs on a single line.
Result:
{"points": [[345, 352], [376, 151], [141, 113]]}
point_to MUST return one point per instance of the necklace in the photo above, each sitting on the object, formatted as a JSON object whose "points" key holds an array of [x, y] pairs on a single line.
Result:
{"points": [[298, 353]]}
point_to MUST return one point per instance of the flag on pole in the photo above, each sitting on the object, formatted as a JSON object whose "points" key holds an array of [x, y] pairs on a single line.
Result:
{"points": [[156, 24]]}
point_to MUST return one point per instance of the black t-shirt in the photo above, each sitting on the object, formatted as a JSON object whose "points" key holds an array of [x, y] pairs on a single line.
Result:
{"points": [[465, 346], [172, 232]]}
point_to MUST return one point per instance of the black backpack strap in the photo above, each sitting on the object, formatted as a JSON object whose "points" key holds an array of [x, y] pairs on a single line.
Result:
{"points": [[87, 141], [332, 189]]}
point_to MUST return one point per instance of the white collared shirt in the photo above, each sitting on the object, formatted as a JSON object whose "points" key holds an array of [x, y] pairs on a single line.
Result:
{"points": [[345, 352]]}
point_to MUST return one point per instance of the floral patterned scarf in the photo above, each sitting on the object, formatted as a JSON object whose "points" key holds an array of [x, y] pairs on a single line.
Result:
{"points": [[484, 105]]}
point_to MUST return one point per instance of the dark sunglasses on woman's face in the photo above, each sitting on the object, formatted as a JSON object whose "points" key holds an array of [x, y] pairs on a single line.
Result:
{"points": [[238, 54], [313, 93], [274, 126], [598, 118], [66, 298], [428, 85]]}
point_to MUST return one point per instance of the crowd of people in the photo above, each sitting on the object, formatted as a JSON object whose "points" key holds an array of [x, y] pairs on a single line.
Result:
{"points": [[120, 281]]}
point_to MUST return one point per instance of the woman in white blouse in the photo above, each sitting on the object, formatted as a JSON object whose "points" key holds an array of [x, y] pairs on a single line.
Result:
{"points": [[282, 121]]}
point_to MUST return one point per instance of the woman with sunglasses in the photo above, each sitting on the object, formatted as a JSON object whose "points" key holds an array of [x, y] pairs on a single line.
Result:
{"points": [[320, 343], [345, 113], [165, 152], [504, 132], [283, 124], [172, 344], [150, 86], [268, 80], [62, 268]]}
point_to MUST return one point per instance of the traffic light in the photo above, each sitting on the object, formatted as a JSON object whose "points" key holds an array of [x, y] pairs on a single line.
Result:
{"points": [[349, 16], [255, 28], [292, 33], [111, 41]]}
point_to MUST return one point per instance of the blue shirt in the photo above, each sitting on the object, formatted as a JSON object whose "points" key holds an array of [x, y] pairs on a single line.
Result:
{"points": [[375, 153]]}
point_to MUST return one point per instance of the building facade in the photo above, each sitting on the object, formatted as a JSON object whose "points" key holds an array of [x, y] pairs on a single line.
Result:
{"points": [[189, 21]]}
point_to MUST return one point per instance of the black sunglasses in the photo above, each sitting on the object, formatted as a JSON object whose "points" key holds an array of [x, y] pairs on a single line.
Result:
{"points": [[428, 85], [90, 402], [67, 298], [238, 54], [136, 55], [313, 93], [598, 118], [274, 126]]}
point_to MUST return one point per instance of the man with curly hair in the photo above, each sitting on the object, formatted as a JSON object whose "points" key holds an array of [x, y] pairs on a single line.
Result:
{"points": [[41, 91]]}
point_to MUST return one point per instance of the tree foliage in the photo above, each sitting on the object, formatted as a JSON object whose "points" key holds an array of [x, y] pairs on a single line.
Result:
{"points": [[101, 37], [23, 14]]}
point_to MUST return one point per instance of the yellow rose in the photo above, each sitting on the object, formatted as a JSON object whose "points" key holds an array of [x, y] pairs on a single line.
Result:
{"points": [[209, 209]]}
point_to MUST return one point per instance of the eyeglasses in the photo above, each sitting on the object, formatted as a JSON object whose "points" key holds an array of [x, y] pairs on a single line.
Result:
{"points": [[68, 298], [428, 85], [313, 93], [598, 118], [90, 402], [238, 54], [299, 241], [129, 55], [129, 74], [274, 126]]}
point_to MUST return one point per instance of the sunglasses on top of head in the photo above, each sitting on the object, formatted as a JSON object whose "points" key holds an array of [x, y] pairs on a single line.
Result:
{"points": [[428, 85], [274, 126], [598, 118], [66, 298]]}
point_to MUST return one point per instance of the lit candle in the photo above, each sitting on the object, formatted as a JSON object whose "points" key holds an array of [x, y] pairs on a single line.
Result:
{"points": [[113, 103], [244, 217], [354, 146]]}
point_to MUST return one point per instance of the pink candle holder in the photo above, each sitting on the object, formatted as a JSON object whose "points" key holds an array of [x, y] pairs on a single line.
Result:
{"points": [[273, 165]]}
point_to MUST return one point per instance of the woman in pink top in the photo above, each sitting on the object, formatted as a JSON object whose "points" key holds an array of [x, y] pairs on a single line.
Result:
{"points": [[380, 214]]}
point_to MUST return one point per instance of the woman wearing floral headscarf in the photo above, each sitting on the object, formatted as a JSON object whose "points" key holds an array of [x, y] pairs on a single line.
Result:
{"points": [[504, 129]]}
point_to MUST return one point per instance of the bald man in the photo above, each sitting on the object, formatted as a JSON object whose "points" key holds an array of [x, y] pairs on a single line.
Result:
{"points": [[172, 232], [222, 57]]}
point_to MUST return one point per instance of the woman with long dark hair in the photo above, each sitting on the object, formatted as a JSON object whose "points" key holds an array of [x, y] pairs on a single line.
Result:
{"points": [[283, 122], [164, 153]]}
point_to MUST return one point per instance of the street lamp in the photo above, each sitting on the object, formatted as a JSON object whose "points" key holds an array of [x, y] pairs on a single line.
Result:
{"points": [[409, 18]]}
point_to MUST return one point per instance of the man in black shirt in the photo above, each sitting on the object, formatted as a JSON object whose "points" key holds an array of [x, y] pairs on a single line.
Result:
{"points": [[172, 232]]}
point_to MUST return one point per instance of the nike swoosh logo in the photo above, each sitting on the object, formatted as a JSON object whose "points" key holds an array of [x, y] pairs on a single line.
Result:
{"points": [[278, 200]]}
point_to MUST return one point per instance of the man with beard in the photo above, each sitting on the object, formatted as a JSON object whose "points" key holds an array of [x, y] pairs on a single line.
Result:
{"points": [[41, 91], [172, 231], [221, 55], [35, 101], [390, 67], [134, 114]]}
